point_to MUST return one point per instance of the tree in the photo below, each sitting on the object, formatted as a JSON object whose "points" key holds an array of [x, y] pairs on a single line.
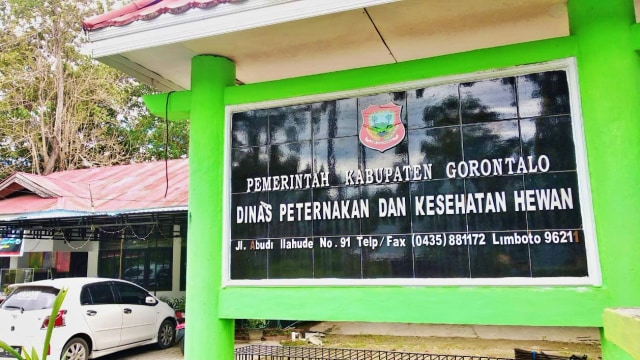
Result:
{"points": [[146, 134], [59, 109]]}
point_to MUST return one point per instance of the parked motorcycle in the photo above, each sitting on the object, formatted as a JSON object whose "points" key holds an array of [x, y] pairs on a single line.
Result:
{"points": [[180, 329]]}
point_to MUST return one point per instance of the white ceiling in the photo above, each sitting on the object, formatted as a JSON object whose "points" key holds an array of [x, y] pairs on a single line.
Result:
{"points": [[365, 36]]}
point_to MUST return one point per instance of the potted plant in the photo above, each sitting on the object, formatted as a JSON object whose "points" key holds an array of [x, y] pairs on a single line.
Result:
{"points": [[255, 328]]}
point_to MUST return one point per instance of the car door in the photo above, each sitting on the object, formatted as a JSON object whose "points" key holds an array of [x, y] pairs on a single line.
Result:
{"points": [[138, 318], [102, 314]]}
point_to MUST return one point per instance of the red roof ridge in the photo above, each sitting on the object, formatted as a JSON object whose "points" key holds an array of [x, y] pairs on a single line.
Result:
{"points": [[145, 10], [20, 181]]}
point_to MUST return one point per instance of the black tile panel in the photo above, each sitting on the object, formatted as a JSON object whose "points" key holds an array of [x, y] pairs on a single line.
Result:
{"points": [[248, 163], [288, 219], [488, 100], [249, 215], [561, 253], [425, 197], [451, 223], [290, 158], [389, 208], [491, 140], [332, 202], [433, 261], [491, 203], [551, 137], [433, 106], [336, 156], [435, 146], [542, 94], [498, 261], [380, 259], [249, 128], [552, 201], [291, 263], [335, 118], [337, 257], [248, 264], [290, 124]]}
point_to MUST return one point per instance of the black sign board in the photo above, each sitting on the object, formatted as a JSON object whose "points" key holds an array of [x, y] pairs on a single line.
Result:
{"points": [[464, 180], [11, 243]]}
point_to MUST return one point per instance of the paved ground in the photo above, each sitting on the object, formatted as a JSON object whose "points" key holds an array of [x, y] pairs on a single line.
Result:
{"points": [[459, 346], [147, 353], [151, 353], [488, 341]]}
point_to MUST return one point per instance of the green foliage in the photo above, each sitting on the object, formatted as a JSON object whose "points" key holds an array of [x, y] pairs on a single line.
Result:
{"points": [[146, 134], [256, 323], [178, 304], [57, 304], [60, 109]]}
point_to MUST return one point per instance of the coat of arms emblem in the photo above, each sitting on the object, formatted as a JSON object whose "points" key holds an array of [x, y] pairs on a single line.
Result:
{"points": [[382, 128]]}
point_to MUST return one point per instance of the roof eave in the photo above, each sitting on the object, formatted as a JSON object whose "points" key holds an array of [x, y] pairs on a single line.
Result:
{"points": [[141, 73], [224, 18], [62, 214]]}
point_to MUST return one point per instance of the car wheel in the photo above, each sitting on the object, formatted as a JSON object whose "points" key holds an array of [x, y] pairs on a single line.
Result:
{"points": [[166, 334], [75, 349]]}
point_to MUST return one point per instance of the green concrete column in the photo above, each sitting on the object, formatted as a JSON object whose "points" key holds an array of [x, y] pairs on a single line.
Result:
{"points": [[210, 337], [609, 75]]}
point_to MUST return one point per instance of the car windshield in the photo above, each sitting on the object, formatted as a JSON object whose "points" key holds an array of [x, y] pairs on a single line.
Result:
{"points": [[29, 298]]}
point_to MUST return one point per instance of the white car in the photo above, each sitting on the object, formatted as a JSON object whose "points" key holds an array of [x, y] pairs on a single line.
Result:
{"points": [[98, 317]]}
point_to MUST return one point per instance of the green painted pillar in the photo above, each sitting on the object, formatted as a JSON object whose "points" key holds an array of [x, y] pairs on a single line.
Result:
{"points": [[609, 76], [210, 337]]}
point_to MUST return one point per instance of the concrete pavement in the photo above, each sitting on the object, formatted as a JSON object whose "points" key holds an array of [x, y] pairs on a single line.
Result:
{"points": [[514, 333], [147, 353], [173, 353]]}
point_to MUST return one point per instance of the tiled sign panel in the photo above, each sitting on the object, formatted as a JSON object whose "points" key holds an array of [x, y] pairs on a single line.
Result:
{"points": [[481, 183]]}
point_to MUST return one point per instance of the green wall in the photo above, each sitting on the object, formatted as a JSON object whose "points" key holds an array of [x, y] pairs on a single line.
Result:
{"points": [[613, 192], [431, 304]]}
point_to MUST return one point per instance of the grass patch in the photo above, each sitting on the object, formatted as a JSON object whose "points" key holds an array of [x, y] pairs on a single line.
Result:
{"points": [[294, 343]]}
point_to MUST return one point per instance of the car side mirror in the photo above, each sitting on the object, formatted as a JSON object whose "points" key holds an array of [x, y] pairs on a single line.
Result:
{"points": [[150, 300]]}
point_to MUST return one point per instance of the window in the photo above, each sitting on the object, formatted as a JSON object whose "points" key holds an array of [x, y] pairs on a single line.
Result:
{"points": [[97, 294], [130, 294], [31, 298], [142, 254]]}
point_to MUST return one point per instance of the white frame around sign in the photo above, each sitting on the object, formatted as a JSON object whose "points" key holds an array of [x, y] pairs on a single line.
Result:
{"points": [[593, 264]]}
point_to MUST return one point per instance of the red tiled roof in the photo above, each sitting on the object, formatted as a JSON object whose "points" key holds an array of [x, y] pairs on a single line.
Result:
{"points": [[114, 189], [145, 10]]}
